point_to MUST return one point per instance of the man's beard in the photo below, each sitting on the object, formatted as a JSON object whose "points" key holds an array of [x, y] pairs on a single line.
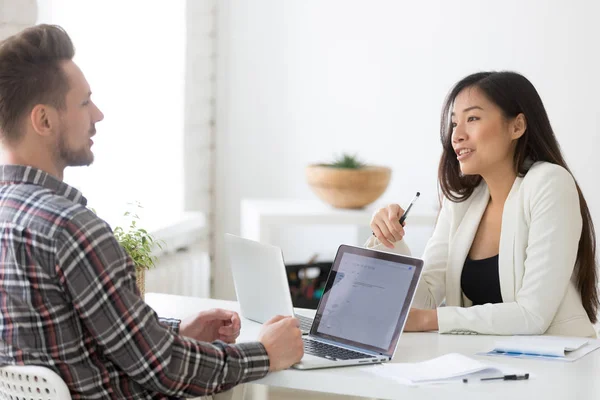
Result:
{"points": [[71, 157]]}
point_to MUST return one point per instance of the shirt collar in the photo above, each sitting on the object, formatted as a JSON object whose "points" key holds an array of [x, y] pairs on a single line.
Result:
{"points": [[14, 174]]}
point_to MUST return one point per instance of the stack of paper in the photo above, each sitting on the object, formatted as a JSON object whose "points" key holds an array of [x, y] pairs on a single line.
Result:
{"points": [[544, 347], [448, 368]]}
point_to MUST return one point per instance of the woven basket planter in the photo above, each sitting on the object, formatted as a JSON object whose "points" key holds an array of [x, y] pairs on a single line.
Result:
{"points": [[348, 188]]}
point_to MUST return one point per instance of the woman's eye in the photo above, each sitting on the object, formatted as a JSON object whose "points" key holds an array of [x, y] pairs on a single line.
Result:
{"points": [[453, 125], [471, 119]]}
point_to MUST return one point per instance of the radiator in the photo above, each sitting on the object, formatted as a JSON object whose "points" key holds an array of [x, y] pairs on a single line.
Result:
{"points": [[185, 272]]}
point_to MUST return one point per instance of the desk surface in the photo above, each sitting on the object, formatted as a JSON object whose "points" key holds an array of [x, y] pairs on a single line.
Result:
{"points": [[552, 380]]}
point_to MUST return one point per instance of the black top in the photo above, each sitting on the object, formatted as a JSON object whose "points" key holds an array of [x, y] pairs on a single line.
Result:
{"points": [[480, 281]]}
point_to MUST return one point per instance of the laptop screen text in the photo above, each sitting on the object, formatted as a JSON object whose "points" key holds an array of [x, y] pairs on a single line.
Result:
{"points": [[363, 302]]}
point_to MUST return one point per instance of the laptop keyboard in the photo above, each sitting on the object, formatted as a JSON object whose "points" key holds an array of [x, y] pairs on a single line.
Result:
{"points": [[305, 323], [331, 352]]}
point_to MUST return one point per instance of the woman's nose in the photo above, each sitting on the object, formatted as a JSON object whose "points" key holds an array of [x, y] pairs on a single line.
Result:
{"points": [[459, 134]]}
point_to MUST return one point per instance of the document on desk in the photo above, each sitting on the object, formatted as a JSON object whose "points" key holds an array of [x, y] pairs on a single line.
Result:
{"points": [[448, 368], [555, 348]]}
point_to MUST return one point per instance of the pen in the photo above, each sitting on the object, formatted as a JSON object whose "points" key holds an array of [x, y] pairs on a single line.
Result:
{"points": [[503, 378], [403, 217]]}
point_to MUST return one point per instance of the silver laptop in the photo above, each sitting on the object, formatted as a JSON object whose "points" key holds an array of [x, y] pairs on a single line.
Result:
{"points": [[363, 310], [260, 279]]}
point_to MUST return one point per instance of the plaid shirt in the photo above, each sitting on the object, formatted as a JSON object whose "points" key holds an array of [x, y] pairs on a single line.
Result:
{"points": [[68, 301]]}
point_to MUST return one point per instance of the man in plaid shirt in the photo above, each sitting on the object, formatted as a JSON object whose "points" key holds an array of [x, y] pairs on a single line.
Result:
{"points": [[68, 299]]}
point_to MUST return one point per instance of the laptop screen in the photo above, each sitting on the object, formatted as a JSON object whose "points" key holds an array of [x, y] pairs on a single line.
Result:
{"points": [[367, 298]]}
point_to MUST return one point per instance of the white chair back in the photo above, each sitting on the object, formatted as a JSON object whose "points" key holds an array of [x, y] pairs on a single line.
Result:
{"points": [[25, 382]]}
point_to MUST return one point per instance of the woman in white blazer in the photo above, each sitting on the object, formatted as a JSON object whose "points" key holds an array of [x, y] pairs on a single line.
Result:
{"points": [[513, 251]]}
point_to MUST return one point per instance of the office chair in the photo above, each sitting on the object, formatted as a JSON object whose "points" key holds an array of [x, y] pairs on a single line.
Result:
{"points": [[25, 382]]}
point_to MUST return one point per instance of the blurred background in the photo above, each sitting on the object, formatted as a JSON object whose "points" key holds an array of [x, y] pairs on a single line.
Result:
{"points": [[211, 104]]}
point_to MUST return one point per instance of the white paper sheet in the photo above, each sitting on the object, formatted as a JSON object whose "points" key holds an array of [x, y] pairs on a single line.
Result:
{"points": [[451, 367], [543, 347]]}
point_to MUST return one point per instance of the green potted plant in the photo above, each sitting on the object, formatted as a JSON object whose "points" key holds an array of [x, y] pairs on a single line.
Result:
{"points": [[139, 244], [347, 182]]}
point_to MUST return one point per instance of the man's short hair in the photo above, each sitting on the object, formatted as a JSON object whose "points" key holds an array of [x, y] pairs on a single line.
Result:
{"points": [[31, 74]]}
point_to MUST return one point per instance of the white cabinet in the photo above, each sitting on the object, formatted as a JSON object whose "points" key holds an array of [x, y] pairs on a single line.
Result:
{"points": [[260, 218]]}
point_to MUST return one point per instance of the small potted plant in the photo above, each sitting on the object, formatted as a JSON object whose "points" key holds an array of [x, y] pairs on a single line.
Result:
{"points": [[139, 244], [347, 182]]}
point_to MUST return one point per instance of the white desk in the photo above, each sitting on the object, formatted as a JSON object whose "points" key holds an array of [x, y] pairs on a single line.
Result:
{"points": [[552, 380]]}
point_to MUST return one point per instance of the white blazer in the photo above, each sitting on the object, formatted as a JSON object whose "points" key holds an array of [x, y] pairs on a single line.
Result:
{"points": [[541, 227]]}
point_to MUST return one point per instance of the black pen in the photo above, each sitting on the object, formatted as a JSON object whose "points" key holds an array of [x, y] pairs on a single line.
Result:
{"points": [[403, 217], [503, 378]]}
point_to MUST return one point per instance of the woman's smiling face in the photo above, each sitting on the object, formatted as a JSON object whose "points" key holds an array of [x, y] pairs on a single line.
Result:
{"points": [[482, 137]]}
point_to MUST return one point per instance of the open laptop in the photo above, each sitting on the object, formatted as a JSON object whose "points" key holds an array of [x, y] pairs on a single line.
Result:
{"points": [[260, 279], [363, 310]]}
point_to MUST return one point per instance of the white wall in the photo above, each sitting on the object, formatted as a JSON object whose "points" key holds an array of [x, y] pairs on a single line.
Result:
{"points": [[301, 80], [133, 55], [16, 15]]}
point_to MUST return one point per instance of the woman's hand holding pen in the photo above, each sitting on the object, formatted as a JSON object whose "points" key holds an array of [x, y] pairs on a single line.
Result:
{"points": [[388, 223], [385, 225]]}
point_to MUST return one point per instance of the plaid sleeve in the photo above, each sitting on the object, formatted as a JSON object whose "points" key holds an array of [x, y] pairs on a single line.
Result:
{"points": [[171, 323], [99, 278]]}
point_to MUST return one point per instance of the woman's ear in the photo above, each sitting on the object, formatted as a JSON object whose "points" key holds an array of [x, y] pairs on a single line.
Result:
{"points": [[519, 126]]}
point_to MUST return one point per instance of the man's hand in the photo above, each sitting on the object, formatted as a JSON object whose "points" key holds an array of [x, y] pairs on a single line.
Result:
{"points": [[421, 320], [282, 339], [211, 325]]}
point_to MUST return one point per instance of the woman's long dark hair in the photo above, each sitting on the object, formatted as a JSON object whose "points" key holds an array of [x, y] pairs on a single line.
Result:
{"points": [[514, 94]]}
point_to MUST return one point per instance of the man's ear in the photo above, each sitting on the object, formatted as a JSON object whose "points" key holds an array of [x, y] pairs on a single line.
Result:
{"points": [[519, 126], [44, 119]]}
